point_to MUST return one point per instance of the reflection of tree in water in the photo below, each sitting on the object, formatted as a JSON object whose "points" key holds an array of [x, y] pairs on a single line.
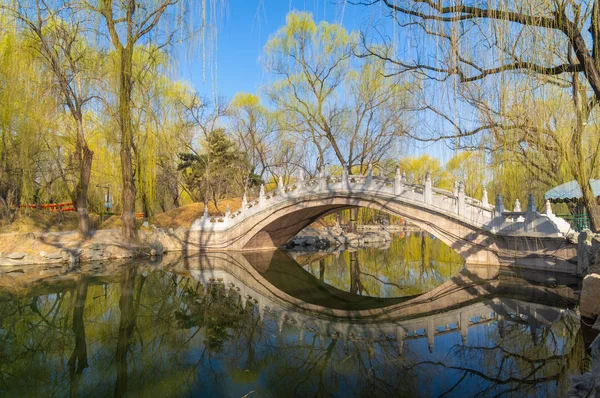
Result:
{"points": [[164, 335], [521, 362], [413, 264]]}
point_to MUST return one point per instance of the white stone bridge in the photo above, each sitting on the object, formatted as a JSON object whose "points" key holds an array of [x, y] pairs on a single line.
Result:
{"points": [[479, 232]]}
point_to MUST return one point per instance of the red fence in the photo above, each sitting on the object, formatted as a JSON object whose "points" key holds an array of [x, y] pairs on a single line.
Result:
{"points": [[67, 206]]}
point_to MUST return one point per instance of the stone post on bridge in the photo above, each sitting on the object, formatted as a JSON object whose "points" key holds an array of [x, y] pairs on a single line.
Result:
{"points": [[244, 205], [227, 214], [280, 187], [498, 210], [397, 182], [428, 190], [261, 196], [322, 181], [484, 198], [461, 200], [300, 182], [531, 212], [517, 206], [369, 175], [345, 178]]}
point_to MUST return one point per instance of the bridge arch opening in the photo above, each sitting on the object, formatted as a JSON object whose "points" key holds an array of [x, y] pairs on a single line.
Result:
{"points": [[288, 219]]}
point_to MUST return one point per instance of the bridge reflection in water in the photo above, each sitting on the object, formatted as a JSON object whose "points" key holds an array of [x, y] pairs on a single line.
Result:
{"points": [[230, 324]]}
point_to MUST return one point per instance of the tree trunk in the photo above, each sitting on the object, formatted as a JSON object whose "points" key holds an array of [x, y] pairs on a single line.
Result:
{"points": [[353, 218], [129, 193], [593, 210], [85, 169]]}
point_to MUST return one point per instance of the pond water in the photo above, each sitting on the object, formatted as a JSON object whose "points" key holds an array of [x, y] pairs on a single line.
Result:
{"points": [[266, 324]]}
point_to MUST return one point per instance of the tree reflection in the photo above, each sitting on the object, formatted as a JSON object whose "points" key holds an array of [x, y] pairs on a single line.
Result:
{"points": [[78, 360], [144, 331], [126, 325], [414, 264]]}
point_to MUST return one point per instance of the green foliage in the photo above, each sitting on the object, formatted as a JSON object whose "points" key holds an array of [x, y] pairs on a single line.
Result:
{"points": [[209, 175]]}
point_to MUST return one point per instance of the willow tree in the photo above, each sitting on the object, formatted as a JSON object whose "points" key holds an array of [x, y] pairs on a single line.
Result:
{"points": [[330, 99], [497, 46], [130, 23], [57, 33], [28, 110]]}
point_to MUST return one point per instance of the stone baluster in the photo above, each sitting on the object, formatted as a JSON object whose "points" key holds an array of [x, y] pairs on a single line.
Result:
{"points": [[461, 199], [484, 198], [428, 190], [261, 196], [322, 181], [280, 186], [300, 178], [397, 182], [227, 213], [549, 209], [403, 178], [369, 175], [455, 189]]}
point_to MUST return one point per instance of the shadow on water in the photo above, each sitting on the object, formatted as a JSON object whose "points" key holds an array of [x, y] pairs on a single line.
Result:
{"points": [[236, 324]]}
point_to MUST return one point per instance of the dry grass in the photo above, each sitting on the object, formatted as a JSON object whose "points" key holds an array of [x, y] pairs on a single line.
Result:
{"points": [[49, 221], [184, 216], [45, 221]]}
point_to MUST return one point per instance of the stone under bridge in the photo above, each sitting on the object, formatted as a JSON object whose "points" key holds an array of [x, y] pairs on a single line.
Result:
{"points": [[479, 232]]}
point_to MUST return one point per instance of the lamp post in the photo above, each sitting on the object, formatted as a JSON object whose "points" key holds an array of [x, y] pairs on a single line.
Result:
{"points": [[107, 202]]}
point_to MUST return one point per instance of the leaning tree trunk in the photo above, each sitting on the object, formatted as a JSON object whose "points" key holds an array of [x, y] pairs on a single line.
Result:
{"points": [[593, 210], [128, 195]]}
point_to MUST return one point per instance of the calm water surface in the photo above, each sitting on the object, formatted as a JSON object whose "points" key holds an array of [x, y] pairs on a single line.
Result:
{"points": [[266, 324]]}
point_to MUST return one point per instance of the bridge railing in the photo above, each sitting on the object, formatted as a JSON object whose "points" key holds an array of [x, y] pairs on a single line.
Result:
{"points": [[478, 213]]}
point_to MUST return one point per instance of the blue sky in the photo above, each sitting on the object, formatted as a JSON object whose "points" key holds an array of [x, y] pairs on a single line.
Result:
{"points": [[244, 30]]}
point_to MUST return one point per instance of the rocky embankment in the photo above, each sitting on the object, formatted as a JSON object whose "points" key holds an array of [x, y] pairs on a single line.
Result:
{"points": [[312, 239], [588, 265], [22, 249], [19, 249]]}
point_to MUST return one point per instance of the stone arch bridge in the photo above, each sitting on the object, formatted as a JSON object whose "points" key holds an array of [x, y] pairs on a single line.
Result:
{"points": [[479, 232]]}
